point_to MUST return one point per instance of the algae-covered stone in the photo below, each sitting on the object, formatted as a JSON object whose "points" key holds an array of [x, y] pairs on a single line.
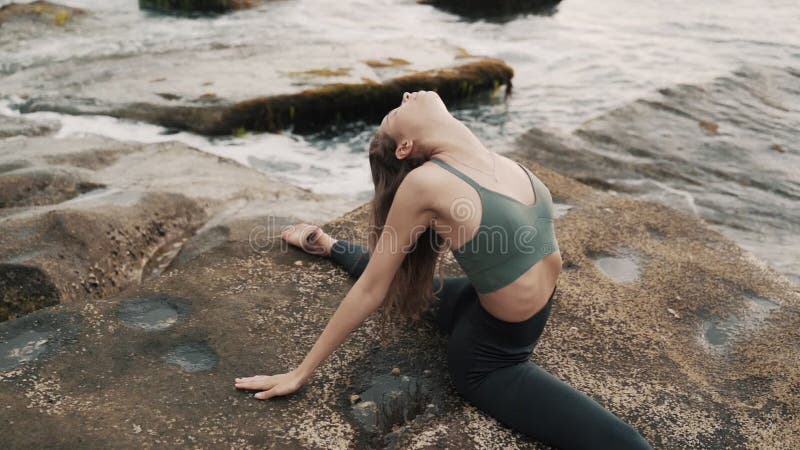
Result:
{"points": [[305, 111], [39, 11]]}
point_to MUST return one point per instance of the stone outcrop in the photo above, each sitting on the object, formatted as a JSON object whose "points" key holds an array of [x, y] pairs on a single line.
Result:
{"points": [[658, 317], [305, 111], [84, 218]]}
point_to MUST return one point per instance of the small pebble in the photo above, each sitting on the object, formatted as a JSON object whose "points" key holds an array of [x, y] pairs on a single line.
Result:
{"points": [[354, 398], [396, 371], [298, 263], [674, 313]]}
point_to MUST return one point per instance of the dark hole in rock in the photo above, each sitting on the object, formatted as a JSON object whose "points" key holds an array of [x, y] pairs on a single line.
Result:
{"points": [[156, 312], [569, 265], [655, 233], [35, 336], [390, 399], [623, 266], [192, 357], [24, 289], [720, 332]]}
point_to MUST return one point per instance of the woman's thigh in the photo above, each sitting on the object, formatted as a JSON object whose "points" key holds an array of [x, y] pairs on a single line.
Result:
{"points": [[489, 364]]}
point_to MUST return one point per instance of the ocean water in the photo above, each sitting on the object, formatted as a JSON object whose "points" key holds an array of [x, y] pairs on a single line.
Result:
{"points": [[586, 61]]}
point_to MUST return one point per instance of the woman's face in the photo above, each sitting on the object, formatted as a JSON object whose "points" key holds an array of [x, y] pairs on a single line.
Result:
{"points": [[419, 115]]}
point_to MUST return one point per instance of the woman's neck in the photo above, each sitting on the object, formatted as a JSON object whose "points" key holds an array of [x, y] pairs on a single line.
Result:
{"points": [[460, 143]]}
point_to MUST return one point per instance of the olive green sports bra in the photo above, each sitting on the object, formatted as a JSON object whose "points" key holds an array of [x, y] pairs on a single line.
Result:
{"points": [[511, 238]]}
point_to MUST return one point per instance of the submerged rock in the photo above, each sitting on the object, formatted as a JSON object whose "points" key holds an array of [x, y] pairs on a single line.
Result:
{"points": [[499, 10], [195, 6]]}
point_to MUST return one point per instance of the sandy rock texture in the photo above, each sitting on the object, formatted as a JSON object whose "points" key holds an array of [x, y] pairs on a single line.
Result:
{"points": [[659, 318]]}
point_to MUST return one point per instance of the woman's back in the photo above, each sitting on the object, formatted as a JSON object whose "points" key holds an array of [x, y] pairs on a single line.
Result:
{"points": [[504, 240]]}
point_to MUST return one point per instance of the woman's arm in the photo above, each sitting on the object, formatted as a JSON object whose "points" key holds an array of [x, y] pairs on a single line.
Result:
{"points": [[409, 216], [352, 311]]}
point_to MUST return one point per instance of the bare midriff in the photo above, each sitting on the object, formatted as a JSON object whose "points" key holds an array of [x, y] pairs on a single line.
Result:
{"points": [[526, 295]]}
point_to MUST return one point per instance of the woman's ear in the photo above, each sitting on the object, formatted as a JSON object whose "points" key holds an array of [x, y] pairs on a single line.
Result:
{"points": [[404, 149]]}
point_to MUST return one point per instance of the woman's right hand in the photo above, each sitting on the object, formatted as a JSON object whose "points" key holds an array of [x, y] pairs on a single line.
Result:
{"points": [[308, 237]]}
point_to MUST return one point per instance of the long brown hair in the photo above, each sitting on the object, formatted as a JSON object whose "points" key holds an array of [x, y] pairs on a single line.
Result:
{"points": [[411, 291]]}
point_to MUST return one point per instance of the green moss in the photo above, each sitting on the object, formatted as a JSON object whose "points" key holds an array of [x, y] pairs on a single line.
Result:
{"points": [[40, 11], [239, 132], [390, 62], [324, 72], [61, 17]]}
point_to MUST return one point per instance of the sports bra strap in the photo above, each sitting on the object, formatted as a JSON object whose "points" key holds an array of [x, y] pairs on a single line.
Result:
{"points": [[458, 173], [533, 182]]}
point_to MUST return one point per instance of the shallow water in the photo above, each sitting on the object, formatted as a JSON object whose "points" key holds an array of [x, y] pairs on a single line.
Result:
{"points": [[155, 312], [624, 267], [720, 332], [583, 61], [192, 357]]}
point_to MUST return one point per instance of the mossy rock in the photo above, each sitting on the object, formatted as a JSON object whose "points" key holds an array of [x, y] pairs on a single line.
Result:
{"points": [[306, 111], [40, 11]]}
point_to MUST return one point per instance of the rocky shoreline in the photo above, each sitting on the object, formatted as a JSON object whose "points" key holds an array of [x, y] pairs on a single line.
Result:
{"points": [[138, 280], [661, 319]]}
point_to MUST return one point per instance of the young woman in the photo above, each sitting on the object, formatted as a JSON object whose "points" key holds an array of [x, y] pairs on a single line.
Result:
{"points": [[438, 188]]}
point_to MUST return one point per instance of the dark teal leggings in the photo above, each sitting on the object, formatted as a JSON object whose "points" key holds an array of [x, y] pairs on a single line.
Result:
{"points": [[488, 361]]}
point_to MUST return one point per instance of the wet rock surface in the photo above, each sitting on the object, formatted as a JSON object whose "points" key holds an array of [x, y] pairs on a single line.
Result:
{"points": [[155, 312], [641, 349], [17, 126], [700, 148], [35, 337], [192, 357], [621, 266]]}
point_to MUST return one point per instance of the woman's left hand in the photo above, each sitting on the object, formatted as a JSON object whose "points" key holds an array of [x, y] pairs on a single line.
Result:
{"points": [[271, 385]]}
